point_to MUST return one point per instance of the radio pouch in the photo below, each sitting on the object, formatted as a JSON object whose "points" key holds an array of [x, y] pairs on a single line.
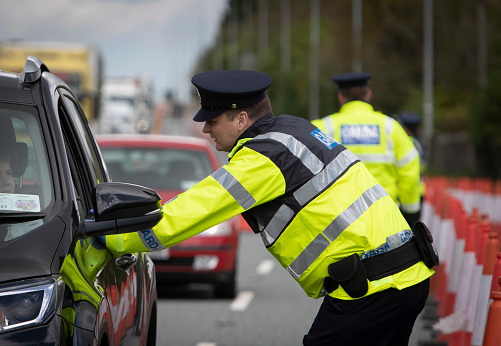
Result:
{"points": [[425, 244], [350, 274]]}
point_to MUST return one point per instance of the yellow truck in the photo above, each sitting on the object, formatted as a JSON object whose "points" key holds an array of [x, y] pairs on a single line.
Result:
{"points": [[78, 64]]}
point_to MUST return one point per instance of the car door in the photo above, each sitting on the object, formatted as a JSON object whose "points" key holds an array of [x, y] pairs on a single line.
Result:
{"points": [[116, 282]]}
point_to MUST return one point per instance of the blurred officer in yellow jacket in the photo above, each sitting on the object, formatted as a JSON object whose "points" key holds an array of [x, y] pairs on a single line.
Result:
{"points": [[378, 140], [411, 122], [318, 210]]}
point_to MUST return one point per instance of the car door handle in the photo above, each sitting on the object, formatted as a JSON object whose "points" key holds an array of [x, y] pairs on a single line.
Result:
{"points": [[126, 262]]}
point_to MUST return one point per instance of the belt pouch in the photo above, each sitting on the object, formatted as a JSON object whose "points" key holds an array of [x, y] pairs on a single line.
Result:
{"points": [[350, 274], [425, 244]]}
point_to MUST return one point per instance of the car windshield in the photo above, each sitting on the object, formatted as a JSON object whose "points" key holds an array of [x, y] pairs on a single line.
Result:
{"points": [[160, 169], [25, 181]]}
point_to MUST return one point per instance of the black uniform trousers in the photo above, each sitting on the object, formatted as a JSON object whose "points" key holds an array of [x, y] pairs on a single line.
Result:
{"points": [[383, 318]]}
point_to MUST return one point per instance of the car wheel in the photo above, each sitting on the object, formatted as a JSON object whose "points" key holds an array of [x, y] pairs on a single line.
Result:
{"points": [[227, 290]]}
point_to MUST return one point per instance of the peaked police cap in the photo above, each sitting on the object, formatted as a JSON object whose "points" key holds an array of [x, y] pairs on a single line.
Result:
{"points": [[409, 118], [351, 79], [228, 89]]}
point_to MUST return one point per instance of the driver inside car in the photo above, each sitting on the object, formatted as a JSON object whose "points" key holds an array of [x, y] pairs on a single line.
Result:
{"points": [[7, 184]]}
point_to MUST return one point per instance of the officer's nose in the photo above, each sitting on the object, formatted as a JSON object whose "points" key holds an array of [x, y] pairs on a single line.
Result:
{"points": [[206, 128]]}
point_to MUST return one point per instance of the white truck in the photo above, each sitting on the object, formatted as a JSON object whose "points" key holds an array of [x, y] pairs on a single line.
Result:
{"points": [[127, 105]]}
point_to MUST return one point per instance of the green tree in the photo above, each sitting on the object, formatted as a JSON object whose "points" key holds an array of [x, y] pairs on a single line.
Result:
{"points": [[392, 51], [486, 126]]}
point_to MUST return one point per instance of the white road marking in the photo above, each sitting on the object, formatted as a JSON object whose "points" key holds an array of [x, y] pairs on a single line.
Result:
{"points": [[244, 298], [206, 344], [242, 301], [265, 267]]}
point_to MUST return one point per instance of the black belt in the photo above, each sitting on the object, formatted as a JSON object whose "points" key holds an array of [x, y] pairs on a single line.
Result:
{"points": [[352, 273], [392, 262]]}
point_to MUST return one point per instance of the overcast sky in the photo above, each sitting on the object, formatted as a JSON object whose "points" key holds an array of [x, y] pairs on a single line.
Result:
{"points": [[159, 38]]}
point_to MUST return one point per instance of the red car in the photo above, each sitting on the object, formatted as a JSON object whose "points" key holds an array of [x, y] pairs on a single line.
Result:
{"points": [[171, 165]]}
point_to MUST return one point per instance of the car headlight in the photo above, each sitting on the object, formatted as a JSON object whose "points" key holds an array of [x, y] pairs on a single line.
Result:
{"points": [[223, 228], [29, 302]]}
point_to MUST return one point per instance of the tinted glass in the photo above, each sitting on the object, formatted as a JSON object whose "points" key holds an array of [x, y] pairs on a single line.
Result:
{"points": [[84, 132], [25, 179], [161, 169]]}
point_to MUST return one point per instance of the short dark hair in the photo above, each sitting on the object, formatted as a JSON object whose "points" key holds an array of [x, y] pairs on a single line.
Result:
{"points": [[357, 93], [256, 111]]}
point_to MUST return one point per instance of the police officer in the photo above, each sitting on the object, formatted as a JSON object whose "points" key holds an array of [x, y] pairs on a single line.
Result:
{"points": [[318, 210], [378, 140], [411, 122]]}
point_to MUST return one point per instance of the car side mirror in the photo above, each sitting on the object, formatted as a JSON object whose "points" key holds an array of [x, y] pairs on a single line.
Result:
{"points": [[123, 208]]}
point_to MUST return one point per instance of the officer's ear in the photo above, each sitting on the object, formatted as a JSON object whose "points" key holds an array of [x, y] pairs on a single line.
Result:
{"points": [[341, 99], [243, 120], [368, 96]]}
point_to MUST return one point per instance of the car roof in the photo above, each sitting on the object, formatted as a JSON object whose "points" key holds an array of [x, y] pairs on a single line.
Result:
{"points": [[18, 87], [13, 90]]}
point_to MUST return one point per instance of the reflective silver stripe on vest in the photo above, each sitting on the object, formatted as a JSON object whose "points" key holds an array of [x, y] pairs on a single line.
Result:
{"points": [[377, 158], [392, 242], [354, 211], [277, 224], [335, 228], [411, 207], [388, 127], [330, 173], [233, 186], [411, 155], [297, 149], [306, 258], [329, 126]]}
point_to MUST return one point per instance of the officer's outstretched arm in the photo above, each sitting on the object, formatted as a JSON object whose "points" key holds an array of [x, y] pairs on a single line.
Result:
{"points": [[248, 180]]}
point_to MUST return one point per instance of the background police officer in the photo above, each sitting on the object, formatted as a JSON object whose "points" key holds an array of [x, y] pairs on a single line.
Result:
{"points": [[318, 210], [411, 122], [378, 140]]}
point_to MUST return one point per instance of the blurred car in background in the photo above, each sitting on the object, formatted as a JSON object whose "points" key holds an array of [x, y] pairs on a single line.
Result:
{"points": [[171, 165]]}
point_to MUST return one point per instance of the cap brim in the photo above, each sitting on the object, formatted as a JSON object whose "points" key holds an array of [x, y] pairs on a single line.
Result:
{"points": [[206, 115]]}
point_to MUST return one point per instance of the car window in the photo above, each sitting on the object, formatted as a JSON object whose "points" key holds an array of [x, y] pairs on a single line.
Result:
{"points": [[25, 179], [80, 183], [82, 176], [162, 169], [89, 147]]}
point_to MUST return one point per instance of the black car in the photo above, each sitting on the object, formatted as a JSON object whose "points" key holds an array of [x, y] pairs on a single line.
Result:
{"points": [[58, 284]]}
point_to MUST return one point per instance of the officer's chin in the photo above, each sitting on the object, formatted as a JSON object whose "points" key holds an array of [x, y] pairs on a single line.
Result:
{"points": [[219, 146]]}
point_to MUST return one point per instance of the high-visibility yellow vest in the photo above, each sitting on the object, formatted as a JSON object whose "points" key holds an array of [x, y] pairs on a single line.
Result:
{"points": [[382, 145], [312, 201], [422, 162]]}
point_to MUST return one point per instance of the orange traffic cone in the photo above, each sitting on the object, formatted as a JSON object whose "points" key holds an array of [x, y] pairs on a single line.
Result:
{"points": [[483, 301], [492, 335]]}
